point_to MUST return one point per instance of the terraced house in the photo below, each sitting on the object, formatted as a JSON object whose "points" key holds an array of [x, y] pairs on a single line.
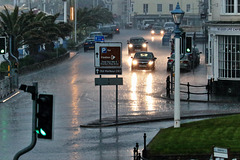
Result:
{"points": [[160, 11], [224, 46]]}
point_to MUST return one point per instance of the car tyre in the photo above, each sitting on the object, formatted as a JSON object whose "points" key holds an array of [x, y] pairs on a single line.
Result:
{"points": [[85, 49]]}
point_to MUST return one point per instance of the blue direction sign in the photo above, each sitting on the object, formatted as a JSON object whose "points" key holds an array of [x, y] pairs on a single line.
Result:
{"points": [[99, 38]]}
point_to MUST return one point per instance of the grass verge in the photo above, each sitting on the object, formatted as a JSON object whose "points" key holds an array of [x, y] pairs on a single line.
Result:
{"points": [[198, 137]]}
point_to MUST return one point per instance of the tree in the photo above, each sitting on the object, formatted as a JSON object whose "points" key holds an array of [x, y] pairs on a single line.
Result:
{"points": [[90, 18], [31, 28]]}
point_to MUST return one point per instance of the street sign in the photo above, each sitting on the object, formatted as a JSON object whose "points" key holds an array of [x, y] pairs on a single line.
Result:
{"points": [[220, 152], [99, 39], [108, 55], [108, 71], [108, 81]]}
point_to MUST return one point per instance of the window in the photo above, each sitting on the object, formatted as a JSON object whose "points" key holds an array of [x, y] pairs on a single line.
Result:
{"points": [[229, 57], [145, 8], [159, 7], [231, 6], [170, 7], [188, 6]]}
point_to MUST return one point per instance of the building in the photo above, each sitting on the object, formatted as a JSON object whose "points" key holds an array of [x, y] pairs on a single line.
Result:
{"points": [[224, 46], [160, 11]]}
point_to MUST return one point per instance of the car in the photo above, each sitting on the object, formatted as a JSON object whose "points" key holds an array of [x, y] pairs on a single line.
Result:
{"points": [[128, 25], [89, 44], [107, 31], [143, 60], [157, 30], [115, 29], [185, 62], [136, 44], [93, 34], [169, 26]]}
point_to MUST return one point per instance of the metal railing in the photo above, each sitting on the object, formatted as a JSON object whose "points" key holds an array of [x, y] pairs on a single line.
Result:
{"points": [[188, 91]]}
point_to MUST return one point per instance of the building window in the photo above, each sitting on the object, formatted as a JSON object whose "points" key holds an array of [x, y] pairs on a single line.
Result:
{"points": [[232, 6], [229, 57], [145, 8], [229, 6], [170, 7], [159, 7], [188, 7]]}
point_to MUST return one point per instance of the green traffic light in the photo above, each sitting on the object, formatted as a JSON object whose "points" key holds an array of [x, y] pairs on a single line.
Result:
{"points": [[43, 132], [188, 50], [2, 51]]}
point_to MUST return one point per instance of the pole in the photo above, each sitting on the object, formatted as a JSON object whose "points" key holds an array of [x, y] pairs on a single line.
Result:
{"points": [[116, 101], [75, 22], [34, 123], [177, 79], [100, 102], [65, 11]]}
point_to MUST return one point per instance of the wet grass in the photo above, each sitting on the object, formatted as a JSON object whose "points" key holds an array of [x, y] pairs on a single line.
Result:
{"points": [[198, 137]]}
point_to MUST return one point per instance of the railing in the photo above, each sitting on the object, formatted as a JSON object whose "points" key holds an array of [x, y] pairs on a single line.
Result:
{"points": [[187, 90]]}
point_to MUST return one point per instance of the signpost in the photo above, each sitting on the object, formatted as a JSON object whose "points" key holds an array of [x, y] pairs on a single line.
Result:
{"points": [[220, 153], [99, 38], [108, 61]]}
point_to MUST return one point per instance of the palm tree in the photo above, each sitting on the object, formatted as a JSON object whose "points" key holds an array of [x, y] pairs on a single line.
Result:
{"points": [[31, 28]]}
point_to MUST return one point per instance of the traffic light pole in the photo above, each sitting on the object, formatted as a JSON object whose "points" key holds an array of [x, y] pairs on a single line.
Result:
{"points": [[34, 91]]}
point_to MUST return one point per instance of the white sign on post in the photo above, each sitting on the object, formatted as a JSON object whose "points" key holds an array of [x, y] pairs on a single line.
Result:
{"points": [[108, 56]]}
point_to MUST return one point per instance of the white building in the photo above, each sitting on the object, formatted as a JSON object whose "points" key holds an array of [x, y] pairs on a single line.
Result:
{"points": [[224, 46]]}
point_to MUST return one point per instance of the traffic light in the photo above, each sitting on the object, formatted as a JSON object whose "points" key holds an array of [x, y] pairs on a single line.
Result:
{"points": [[189, 44], [45, 116], [2, 45]]}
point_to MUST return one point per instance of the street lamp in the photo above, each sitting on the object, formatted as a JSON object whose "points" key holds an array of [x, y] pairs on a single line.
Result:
{"points": [[177, 17]]}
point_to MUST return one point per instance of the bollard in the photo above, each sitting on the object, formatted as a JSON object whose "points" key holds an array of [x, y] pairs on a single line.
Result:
{"points": [[168, 86], [144, 152], [188, 85]]}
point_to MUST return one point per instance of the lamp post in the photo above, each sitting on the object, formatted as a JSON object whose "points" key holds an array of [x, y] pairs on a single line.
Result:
{"points": [[177, 17]]}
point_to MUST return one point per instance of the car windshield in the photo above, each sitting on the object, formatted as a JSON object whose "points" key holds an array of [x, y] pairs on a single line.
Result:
{"points": [[105, 29], [157, 27], [95, 34], [89, 40], [143, 55], [137, 40]]}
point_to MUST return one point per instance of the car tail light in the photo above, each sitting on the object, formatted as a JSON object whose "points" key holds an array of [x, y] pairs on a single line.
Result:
{"points": [[170, 60], [185, 62]]}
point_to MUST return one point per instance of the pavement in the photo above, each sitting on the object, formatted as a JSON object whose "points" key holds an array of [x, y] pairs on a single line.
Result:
{"points": [[163, 116]]}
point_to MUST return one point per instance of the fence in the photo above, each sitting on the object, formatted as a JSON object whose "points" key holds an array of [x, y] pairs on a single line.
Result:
{"points": [[207, 89], [7, 86]]}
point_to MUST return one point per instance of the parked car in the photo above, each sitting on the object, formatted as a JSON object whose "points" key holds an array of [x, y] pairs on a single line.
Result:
{"points": [[93, 34], [128, 25], [185, 62], [157, 30], [89, 44], [136, 44], [107, 31], [143, 61]]}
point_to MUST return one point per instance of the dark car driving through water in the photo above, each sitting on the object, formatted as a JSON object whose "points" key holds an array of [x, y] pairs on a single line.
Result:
{"points": [[143, 61], [136, 44]]}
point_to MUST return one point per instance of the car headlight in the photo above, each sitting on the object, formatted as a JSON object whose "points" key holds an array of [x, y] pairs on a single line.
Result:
{"points": [[134, 62], [130, 45], [162, 32], [144, 45], [152, 31], [150, 62]]}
